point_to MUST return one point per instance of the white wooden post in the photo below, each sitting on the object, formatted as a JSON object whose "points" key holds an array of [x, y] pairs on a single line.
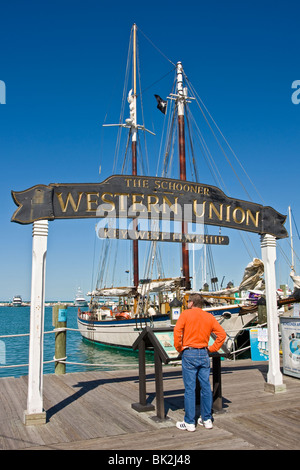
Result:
{"points": [[35, 413], [274, 378]]}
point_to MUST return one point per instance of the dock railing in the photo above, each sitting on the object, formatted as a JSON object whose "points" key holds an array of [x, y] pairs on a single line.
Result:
{"points": [[64, 359]]}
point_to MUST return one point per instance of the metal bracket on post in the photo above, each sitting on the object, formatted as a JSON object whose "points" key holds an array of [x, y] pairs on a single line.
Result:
{"points": [[35, 413], [274, 377]]}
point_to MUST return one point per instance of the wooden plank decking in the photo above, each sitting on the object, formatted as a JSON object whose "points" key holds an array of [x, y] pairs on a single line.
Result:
{"points": [[92, 410]]}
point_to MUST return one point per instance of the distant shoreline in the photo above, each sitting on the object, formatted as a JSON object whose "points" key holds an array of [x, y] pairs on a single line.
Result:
{"points": [[47, 304]]}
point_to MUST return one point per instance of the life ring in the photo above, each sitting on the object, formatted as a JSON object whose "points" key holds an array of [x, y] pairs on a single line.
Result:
{"points": [[123, 316]]}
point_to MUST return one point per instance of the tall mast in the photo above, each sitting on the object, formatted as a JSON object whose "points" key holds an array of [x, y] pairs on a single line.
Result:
{"points": [[181, 98], [131, 123], [292, 246], [134, 159]]}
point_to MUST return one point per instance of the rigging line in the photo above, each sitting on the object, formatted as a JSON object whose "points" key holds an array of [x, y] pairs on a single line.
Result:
{"points": [[224, 153], [211, 266], [115, 262], [169, 169], [159, 259], [250, 241], [156, 81], [209, 156], [222, 150], [166, 126], [94, 256], [209, 159], [284, 256], [219, 181], [103, 263], [295, 224], [168, 145], [146, 170], [156, 47], [145, 167], [193, 163], [121, 118], [227, 143], [125, 160], [292, 249]]}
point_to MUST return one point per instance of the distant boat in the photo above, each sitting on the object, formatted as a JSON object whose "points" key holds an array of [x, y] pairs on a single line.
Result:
{"points": [[17, 301], [80, 300]]}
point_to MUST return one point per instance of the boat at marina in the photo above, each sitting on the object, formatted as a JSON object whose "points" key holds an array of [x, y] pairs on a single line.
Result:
{"points": [[148, 302], [80, 300], [17, 301]]}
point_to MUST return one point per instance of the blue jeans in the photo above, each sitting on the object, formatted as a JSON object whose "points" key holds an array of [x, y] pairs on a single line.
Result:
{"points": [[196, 363]]}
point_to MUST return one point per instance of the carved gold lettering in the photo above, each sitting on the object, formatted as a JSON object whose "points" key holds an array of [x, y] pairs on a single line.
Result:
{"points": [[90, 201], [122, 201], [107, 201], [195, 208], [228, 213], [235, 216], [70, 200], [212, 208], [150, 204], [173, 207], [252, 217], [138, 205]]}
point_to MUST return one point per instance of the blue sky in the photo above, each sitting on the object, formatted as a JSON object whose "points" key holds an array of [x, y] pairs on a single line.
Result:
{"points": [[63, 64]]}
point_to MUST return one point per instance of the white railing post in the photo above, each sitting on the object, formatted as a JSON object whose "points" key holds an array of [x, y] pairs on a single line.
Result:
{"points": [[35, 413], [274, 378]]}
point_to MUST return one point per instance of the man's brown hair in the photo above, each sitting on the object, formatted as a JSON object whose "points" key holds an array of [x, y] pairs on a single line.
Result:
{"points": [[197, 299]]}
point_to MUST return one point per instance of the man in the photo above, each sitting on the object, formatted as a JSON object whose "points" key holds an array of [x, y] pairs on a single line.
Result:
{"points": [[191, 336]]}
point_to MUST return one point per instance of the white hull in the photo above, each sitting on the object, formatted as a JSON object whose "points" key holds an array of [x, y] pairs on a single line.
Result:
{"points": [[81, 303], [235, 325], [123, 333], [120, 333], [17, 301]]}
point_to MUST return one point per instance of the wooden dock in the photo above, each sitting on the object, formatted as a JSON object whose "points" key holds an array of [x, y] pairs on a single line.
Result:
{"points": [[92, 410]]}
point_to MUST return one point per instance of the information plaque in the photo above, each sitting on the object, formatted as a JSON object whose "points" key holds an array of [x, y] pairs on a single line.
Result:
{"points": [[290, 337], [166, 342]]}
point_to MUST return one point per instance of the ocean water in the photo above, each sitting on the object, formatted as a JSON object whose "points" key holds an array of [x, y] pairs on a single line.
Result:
{"points": [[15, 351]]}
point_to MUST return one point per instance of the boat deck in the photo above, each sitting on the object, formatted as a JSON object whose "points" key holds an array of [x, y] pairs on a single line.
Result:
{"points": [[92, 410]]}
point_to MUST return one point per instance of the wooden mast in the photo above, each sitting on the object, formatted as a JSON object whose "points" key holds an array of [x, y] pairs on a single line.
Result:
{"points": [[134, 160], [182, 165], [131, 123]]}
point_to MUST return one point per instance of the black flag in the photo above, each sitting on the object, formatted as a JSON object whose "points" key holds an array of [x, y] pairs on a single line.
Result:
{"points": [[161, 104]]}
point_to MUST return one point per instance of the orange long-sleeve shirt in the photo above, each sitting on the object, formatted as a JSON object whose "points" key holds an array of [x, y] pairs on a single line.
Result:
{"points": [[193, 329]]}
